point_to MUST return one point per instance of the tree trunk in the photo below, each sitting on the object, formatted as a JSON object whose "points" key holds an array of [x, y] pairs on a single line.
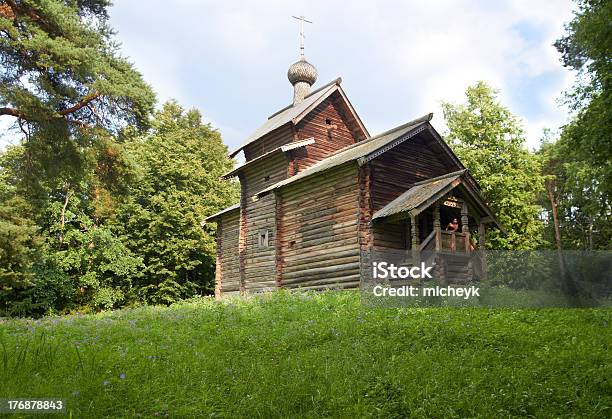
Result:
{"points": [[63, 216], [553, 205], [567, 284]]}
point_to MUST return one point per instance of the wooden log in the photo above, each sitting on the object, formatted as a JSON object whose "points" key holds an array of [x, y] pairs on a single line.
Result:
{"points": [[437, 227], [465, 229]]}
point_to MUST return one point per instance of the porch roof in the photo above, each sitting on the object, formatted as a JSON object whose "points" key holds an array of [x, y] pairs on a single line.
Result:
{"points": [[423, 194]]}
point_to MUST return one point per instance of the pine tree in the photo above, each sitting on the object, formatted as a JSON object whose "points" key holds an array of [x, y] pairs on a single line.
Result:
{"points": [[61, 67]]}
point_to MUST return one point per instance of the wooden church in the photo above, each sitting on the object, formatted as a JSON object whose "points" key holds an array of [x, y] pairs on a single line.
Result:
{"points": [[319, 194]]}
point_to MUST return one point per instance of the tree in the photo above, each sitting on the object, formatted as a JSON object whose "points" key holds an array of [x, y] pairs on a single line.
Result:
{"points": [[71, 95], [63, 81], [181, 161], [68, 256], [578, 210], [60, 67], [587, 48], [20, 245], [490, 142]]}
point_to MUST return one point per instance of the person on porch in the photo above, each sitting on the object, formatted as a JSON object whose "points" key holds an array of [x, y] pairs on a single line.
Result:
{"points": [[453, 225]]}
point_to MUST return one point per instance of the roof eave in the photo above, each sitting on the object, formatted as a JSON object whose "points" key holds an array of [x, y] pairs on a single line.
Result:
{"points": [[224, 211], [284, 149], [331, 87], [461, 178], [384, 148]]}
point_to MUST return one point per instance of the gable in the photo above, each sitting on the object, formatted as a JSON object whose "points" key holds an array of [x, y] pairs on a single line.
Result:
{"points": [[288, 117], [362, 151], [330, 129], [400, 167]]}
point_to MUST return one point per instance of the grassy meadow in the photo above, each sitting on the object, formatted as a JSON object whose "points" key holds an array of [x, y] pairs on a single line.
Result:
{"points": [[312, 355]]}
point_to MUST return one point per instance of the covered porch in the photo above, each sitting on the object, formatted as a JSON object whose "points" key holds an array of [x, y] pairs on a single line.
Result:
{"points": [[420, 223]]}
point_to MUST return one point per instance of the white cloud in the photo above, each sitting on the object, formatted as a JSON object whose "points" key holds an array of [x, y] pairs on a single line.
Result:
{"points": [[399, 58], [9, 134]]}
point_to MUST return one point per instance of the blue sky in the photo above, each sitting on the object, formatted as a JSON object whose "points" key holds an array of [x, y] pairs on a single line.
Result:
{"points": [[398, 59]]}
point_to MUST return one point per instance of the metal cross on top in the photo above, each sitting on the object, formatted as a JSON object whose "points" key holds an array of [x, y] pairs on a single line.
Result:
{"points": [[302, 19]]}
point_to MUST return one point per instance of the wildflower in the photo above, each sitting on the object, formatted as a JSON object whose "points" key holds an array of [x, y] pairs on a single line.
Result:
{"points": [[106, 382], [122, 376]]}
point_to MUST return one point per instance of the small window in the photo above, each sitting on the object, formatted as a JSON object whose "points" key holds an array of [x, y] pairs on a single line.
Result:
{"points": [[330, 125], [263, 238]]}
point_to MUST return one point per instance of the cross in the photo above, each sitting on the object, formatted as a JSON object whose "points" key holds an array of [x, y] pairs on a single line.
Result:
{"points": [[302, 19]]}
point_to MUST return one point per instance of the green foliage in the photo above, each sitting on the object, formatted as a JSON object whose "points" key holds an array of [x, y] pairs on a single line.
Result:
{"points": [[61, 67], [116, 223], [70, 92], [575, 187], [490, 142], [578, 164], [181, 160], [20, 248], [97, 260], [314, 355], [20, 244], [587, 48], [69, 189]]}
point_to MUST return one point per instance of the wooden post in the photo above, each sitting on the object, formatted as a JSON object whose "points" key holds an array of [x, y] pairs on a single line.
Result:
{"points": [[438, 238], [407, 241], [481, 248], [465, 228], [408, 236], [414, 229], [243, 234], [219, 262], [437, 227], [278, 239], [365, 228]]}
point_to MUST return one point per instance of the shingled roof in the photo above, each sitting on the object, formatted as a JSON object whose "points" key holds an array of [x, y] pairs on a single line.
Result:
{"points": [[419, 193], [295, 112], [423, 194], [365, 150], [223, 211], [284, 148]]}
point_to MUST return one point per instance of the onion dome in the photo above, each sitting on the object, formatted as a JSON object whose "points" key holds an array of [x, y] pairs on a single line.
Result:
{"points": [[302, 71]]}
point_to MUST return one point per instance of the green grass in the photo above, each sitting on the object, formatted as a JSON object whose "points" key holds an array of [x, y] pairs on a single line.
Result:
{"points": [[310, 355]]}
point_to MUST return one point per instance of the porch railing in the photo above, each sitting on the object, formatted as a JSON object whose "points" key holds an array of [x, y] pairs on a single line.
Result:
{"points": [[429, 242], [452, 242]]}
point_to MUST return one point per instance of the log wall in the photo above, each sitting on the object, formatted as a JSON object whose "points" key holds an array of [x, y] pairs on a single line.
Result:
{"points": [[390, 235], [280, 136], [259, 263], [319, 237], [329, 138], [227, 276], [395, 171]]}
